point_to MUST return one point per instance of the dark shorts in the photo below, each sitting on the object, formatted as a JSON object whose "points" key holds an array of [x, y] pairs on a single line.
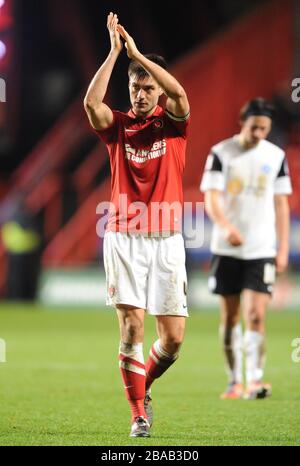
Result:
{"points": [[229, 276]]}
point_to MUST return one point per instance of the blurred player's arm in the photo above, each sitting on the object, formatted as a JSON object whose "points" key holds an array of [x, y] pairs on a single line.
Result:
{"points": [[215, 212], [177, 102], [99, 114], [282, 212]]}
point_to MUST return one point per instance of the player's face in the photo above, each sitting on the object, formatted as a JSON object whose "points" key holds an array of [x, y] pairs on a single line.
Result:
{"points": [[254, 129], [144, 95]]}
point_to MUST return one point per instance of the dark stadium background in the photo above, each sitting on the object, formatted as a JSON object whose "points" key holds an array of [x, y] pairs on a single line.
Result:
{"points": [[45, 30]]}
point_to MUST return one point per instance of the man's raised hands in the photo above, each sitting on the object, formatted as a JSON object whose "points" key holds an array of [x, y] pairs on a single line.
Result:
{"points": [[115, 39], [132, 50]]}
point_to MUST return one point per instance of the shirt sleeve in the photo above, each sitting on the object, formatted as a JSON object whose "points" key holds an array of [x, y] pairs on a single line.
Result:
{"points": [[109, 134], [180, 123], [213, 177], [283, 181]]}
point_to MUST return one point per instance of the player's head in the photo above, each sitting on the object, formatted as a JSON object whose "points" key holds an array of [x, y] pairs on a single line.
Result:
{"points": [[256, 121], [143, 89]]}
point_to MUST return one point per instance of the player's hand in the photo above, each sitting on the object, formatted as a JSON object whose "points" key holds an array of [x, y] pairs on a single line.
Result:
{"points": [[282, 261], [233, 236], [115, 39], [132, 50]]}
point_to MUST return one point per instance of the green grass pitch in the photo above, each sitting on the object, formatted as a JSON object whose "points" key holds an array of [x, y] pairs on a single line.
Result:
{"points": [[61, 384]]}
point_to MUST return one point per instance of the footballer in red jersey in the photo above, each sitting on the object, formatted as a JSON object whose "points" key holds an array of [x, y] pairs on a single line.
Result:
{"points": [[144, 254]]}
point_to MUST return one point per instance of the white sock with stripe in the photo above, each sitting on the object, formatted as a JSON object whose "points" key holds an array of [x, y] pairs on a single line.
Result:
{"points": [[158, 362], [254, 344]]}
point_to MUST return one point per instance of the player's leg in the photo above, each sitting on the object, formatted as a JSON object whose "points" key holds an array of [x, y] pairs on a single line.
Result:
{"points": [[132, 365], [226, 280], [232, 341], [167, 301], [126, 282], [167, 287], [259, 278], [255, 305], [165, 351]]}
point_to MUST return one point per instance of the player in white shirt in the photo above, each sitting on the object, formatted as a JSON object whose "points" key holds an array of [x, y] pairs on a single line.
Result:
{"points": [[246, 184]]}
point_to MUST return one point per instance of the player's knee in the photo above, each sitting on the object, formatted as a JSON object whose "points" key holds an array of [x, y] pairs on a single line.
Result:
{"points": [[132, 329], [254, 316], [172, 343]]}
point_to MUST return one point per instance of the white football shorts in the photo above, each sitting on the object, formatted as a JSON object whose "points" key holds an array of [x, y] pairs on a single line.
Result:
{"points": [[146, 272]]}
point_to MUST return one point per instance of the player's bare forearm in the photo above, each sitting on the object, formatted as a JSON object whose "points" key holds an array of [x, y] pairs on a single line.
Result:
{"points": [[167, 82], [98, 86], [99, 114], [177, 99], [214, 210], [282, 212], [216, 214]]}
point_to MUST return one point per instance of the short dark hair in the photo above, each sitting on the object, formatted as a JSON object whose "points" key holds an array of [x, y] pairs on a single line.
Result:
{"points": [[257, 107], [135, 69]]}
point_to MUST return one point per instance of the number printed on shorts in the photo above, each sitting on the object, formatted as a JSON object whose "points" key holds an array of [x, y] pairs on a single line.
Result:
{"points": [[269, 274]]}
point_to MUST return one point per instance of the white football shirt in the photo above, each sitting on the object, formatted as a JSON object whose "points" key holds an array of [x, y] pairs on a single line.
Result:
{"points": [[249, 179]]}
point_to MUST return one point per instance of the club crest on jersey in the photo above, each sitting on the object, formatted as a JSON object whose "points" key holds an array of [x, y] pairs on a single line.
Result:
{"points": [[266, 169], [158, 125]]}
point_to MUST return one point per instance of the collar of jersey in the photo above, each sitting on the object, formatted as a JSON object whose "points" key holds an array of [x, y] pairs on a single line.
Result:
{"points": [[244, 149], [155, 113]]}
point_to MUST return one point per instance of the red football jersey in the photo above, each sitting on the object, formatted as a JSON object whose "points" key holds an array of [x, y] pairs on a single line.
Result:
{"points": [[147, 158]]}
